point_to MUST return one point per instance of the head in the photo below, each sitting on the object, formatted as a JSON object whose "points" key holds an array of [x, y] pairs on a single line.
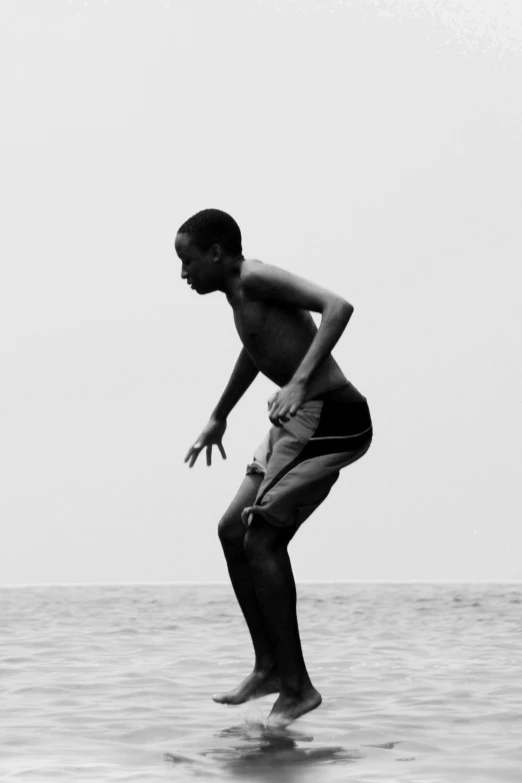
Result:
{"points": [[209, 245]]}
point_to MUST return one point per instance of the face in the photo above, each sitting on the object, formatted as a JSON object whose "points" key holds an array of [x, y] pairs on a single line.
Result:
{"points": [[198, 268]]}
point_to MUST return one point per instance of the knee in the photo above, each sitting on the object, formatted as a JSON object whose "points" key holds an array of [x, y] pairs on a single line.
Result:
{"points": [[260, 543], [264, 541], [252, 546], [231, 531]]}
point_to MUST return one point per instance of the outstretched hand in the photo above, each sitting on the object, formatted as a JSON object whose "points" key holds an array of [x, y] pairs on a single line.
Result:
{"points": [[286, 402], [212, 435]]}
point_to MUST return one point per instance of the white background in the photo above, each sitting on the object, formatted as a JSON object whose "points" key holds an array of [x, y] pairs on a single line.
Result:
{"points": [[371, 147]]}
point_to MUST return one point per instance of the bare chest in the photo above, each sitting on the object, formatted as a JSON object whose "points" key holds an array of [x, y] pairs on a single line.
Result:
{"points": [[275, 337], [257, 325]]}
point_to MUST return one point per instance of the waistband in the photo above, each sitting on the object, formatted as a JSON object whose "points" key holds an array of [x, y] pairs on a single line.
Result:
{"points": [[346, 394]]}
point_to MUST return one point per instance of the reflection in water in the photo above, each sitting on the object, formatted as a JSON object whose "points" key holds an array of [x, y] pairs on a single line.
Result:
{"points": [[385, 745], [263, 753]]}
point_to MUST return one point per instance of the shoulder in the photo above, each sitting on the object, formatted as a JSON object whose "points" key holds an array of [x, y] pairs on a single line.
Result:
{"points": [[268, 282], [259, 278], [249, 270]]}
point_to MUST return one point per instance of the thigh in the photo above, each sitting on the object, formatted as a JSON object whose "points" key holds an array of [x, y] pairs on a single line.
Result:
{"points": [[287, 499], [230, 527]]}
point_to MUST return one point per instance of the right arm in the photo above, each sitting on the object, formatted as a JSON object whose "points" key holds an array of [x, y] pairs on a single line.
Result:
{"points": [[242, 376]]}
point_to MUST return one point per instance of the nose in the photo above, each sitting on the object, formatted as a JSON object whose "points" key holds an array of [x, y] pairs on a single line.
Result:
{"points": [[184, 273]]}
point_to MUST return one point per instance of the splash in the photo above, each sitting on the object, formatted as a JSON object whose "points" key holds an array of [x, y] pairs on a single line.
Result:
{"points": [[254, 719]]}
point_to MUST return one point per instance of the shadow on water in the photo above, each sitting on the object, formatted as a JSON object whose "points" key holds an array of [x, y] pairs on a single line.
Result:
{"points": [[257, 752]]}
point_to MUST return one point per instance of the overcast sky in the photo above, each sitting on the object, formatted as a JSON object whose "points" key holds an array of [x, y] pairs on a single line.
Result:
{"points": [[373, 147]]}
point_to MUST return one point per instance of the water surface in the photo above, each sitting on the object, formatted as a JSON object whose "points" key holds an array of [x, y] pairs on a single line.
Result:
{"points": [[420, 682]]}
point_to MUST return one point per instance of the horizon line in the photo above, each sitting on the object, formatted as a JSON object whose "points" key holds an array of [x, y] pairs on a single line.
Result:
{"points": [[298, 582]]}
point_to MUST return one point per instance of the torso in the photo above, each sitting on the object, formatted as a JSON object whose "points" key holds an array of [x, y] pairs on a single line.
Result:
{"points": [[277, 338]]}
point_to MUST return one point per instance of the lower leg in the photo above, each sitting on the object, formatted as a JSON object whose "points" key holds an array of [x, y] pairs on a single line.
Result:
{"points": [[276, 591], [244, 589], [264, 679]]}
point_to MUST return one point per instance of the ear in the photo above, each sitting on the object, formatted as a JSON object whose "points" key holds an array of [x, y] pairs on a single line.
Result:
{"points": [[217, 252]]}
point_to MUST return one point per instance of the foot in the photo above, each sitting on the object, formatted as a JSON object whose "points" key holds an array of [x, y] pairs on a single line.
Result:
{"points": [[287, 708], [254, 686]]}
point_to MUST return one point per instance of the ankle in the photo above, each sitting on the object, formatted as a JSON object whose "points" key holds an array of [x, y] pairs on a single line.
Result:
{"points": [[266, 666], [296, 687]]}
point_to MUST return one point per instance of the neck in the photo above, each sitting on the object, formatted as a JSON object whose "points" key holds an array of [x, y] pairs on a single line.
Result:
{"points": [[231, 278]]}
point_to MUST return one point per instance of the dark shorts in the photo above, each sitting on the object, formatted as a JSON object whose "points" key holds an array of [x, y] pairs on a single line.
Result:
{"points": [[300, 460]]}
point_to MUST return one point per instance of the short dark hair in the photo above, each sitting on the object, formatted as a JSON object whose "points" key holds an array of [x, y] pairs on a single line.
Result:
{"points": [[213, 226]]}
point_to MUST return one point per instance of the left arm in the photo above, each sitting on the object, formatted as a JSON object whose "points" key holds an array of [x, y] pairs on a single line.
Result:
{"points": [[334, 320], [271, 283]]}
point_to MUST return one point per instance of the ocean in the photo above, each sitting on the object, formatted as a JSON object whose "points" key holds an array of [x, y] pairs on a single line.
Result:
{"points": [[421, 683]]}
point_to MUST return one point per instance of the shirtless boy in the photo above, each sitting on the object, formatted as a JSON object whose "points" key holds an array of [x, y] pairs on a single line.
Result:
{"points": [[320, 424]]}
